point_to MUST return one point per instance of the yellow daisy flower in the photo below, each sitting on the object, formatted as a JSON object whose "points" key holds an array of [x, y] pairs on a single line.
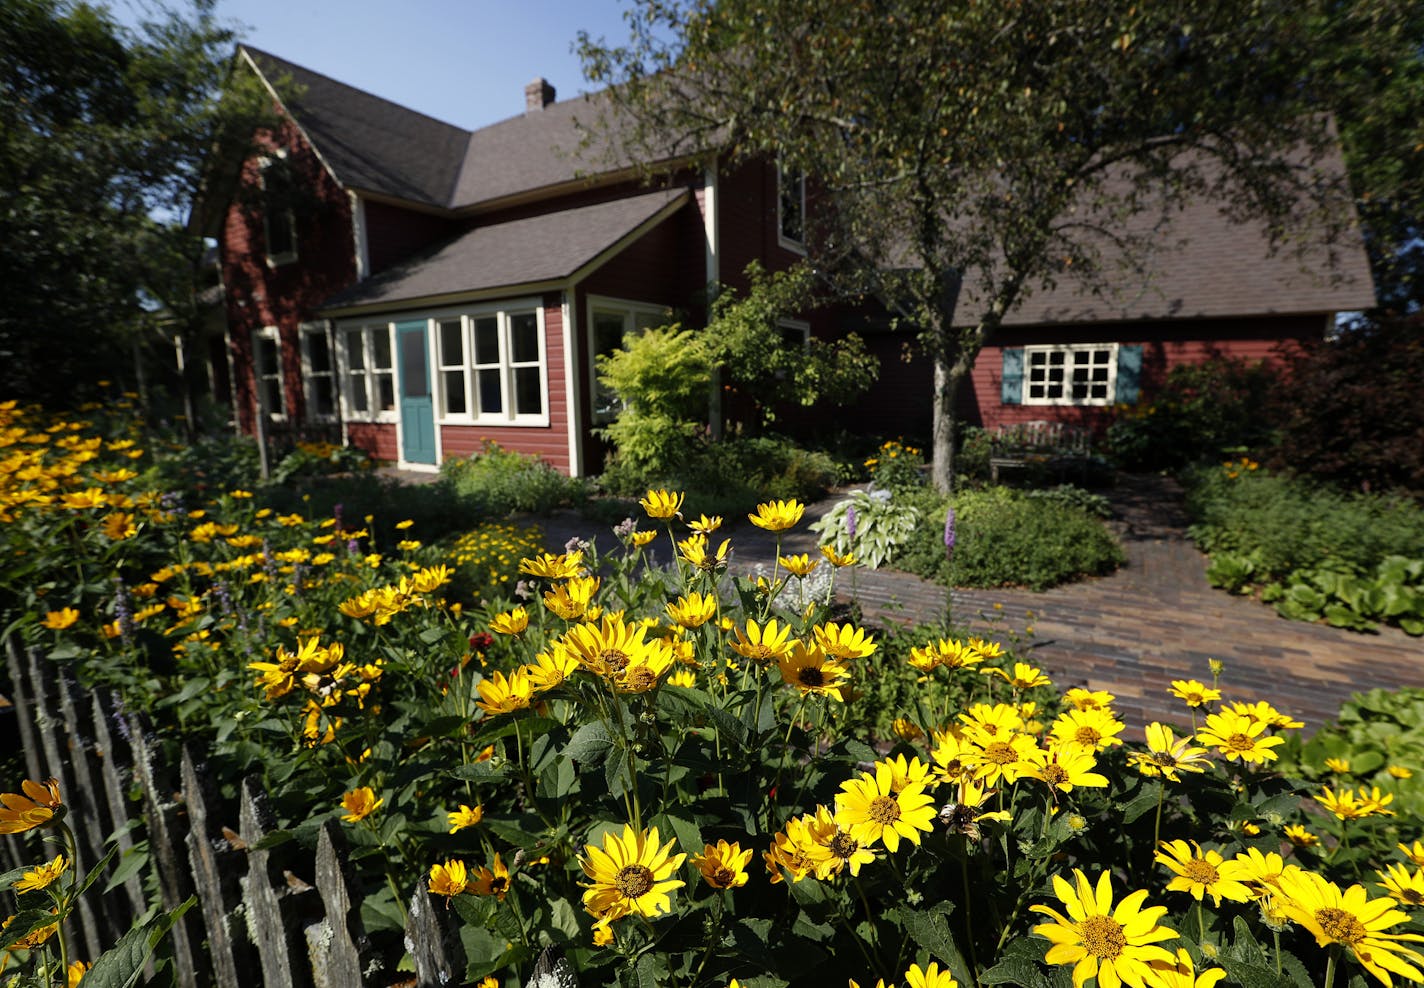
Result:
{"points": [[723, 865], [799, 566], [1414, 854], [835, 558], [1299, 836], [695, 552], [501, 694], [930, 977], [1406, 889], [1183, 974], [1068, 766], [553, 566], [1346, 806], [59, 620], [694, 610], [450, 878], [35, 808], [704, 525], [1193, 693], [570, 599], [550, 669], [1113, 945], [1082, 699], [1340, 766], [763, 644], [844, 641], [510, 622], [1167, 754], [1093, 730], [1024, 676], [777, 516], [1202, 872], [41, 877], [871, 810], [1236, 736], [491, 881], [1353, 920], [811, 670], [630, 874], [465, 816], [359, 803]]}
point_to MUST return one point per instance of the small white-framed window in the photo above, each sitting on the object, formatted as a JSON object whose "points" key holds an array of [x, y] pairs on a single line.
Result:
{"points": [[791, 208], [452, 368], [1074, 374], [509, 375], [267, 372], [610, 322], [795, 333], [279, 221], [318, 373], [368, 372]]}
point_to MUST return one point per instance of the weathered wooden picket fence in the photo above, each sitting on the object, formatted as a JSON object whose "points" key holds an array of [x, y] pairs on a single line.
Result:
{"points": [[280, 917]]}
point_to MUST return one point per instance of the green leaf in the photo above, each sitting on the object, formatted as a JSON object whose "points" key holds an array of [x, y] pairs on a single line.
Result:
{"points": [[590, 744], [24, 923], [1249, 975], [933, 934], [121, 966], [558, 780], [1144, 802]]}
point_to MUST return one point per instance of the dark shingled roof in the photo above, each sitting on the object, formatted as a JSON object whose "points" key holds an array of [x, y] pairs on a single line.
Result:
{"points": [[540, 248], [370, 143]]}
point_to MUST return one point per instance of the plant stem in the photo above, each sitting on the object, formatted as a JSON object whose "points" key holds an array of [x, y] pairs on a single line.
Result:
{"points": [[968, 915], [1330, 968], [1157, 823]]}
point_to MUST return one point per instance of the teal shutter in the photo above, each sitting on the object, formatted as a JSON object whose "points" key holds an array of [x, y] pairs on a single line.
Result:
{"points": [[1129, 375], [1011, 384]]}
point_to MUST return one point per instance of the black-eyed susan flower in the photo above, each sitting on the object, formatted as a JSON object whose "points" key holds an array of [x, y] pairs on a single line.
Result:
{"points": [[465, 816], [1083, 699], [1023, 677], [870, 808], [661, 504], [695, 551], [449, 879], [1183, 973], [552, 566], [1347, 806], [723, 865], [1236, 736], [763, 643], [491, 881], [1414, 853], [1404, 886], [570, 599], [1353, 920], [1066, 766], [610, 646], [511, 622], [929, 977], [799, 565], [777, 516], [693, 610], [836, 559], [1093, 730], [550, 668], [844, 641], [1167, 754], [41, 877], [630, 874], [1202, 872], [1299, 836], [63, 618], [810, 670], [1115, 945], [501, 694], [998, 758], [33, 807], [1260, 871], [1193, 693], [359, 803], [830, 848], [704, 525], [1340, 766]]}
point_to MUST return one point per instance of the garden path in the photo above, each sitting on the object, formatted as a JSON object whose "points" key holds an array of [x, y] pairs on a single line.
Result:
{"points": [[1155, 620]]}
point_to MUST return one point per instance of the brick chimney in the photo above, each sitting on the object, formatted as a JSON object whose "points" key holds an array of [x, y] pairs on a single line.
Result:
{"points": [[537, 95]]}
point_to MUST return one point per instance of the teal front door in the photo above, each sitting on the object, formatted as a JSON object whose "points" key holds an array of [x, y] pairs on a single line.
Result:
{"points": [[417, 410]]}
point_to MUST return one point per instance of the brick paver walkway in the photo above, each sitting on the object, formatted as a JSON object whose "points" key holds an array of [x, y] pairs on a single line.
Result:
{"points": [[1131, 633]]}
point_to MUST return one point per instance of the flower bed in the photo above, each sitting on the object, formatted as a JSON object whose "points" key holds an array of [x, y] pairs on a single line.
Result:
{"points": [[661, 769]]}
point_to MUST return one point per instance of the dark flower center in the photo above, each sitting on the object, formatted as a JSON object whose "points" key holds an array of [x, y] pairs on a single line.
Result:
{"points": [[633, 880], [1340, 926], [884, 810]]}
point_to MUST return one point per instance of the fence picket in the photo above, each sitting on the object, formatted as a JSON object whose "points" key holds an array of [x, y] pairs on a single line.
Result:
{"points": [[229, 951], [260, 891], [113, 760], [433, 943], [334, 942]]}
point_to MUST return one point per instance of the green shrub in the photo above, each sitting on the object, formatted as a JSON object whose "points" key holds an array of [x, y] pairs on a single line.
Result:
{"points": [[873, 525], [1006, 538], [896, 466], [499, 481], [661, 377], [1315, 553], [1199, 412]]}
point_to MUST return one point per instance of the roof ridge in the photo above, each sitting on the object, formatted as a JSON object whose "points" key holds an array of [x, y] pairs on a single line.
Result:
{"points": [[355, 89]]}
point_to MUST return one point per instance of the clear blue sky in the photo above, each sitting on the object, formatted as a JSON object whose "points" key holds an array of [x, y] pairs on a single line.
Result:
{"points": [[463, 61]]}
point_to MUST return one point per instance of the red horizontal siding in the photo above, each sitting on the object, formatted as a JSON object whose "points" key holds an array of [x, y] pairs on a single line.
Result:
{"points": [[376, 438], [393, 234]]}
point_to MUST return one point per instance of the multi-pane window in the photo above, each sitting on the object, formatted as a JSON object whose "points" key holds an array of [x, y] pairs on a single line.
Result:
{"points": [[450, 364], [318, 373], [267, 364], [1070, 375], [791, 207], [611, 322], [369, 371]]}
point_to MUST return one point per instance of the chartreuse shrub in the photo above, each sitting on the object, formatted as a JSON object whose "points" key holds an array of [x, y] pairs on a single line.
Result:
{"points": [[1352, 560], [663, 770], [499, 481]]}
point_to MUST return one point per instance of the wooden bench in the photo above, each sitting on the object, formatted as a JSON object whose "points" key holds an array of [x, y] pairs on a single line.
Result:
{"points": [[1056, 445]]}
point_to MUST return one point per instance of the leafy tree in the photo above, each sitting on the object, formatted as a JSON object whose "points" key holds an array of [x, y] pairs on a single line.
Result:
{"points": [[964, 154], [105, 133]]}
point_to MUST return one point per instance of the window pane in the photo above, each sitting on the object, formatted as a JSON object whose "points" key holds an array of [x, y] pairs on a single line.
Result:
{"points": [[319, 353], [381, 348], [267, 357], [452, 344], [272, 396], [1099, 391], [524, 337], [490, 398], [527, 399], [356, 394], [1101, 356], [355, 353], [386, 390], [415, 381], [1037, 358], [1055, 391], [1055, 359], [323, 397], [487, 340], [648, 320], [453, 385], [1035, 391]]}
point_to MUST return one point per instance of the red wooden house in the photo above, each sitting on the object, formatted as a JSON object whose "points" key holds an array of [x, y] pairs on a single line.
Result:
{"points": [[418, 289]]}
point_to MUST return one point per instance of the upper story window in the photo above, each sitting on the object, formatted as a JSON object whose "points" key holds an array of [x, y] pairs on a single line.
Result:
{"points": [[279, 221], [1070, 375], [791, 208]]}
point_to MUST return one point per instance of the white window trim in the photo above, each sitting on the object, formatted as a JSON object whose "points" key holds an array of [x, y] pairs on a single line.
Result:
{"points": [[273, 334], [1068, 400], [310, 375], [263, 163], [629, 310], [793, 245], [438, 369], [372, 414], [798, 325]]}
